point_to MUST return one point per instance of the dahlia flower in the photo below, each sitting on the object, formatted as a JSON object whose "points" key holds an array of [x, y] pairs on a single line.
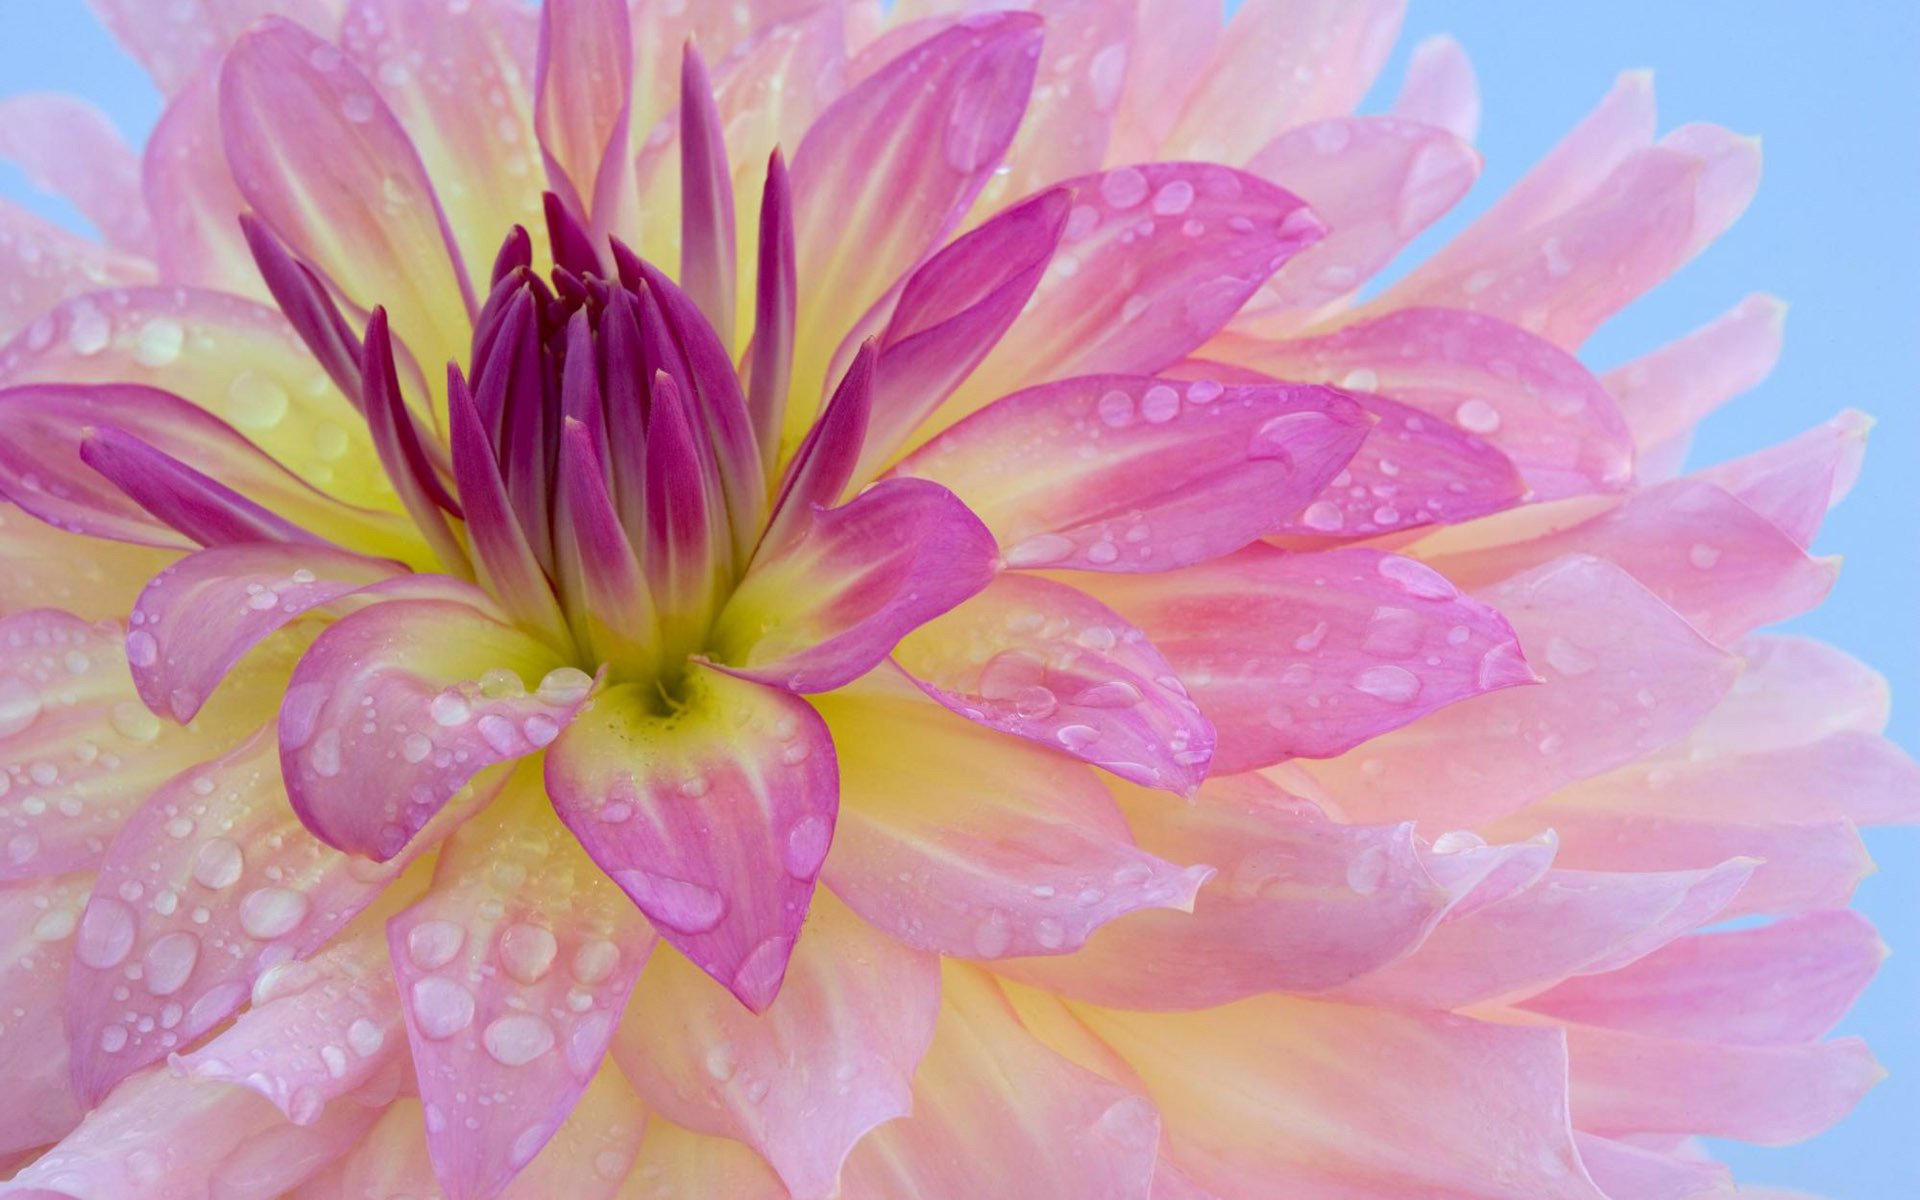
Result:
{"points": [[545, 652]]}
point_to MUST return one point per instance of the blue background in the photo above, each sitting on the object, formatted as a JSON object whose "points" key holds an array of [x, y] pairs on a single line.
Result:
{"points": [[1834, 88]]}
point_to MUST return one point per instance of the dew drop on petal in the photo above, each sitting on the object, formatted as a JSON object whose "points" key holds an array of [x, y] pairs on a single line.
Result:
{"points": [[441, 1007], [517, 1039], [432, 944], [527, 952], [106, 933], [272, 912], [218, 864], [807, 844], [1396, 685]]}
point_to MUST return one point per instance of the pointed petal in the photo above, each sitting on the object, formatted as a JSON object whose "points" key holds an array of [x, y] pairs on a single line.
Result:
{"points": [[1440, 88], [514, 969], [1311, 1098], [707, 244], [1796, 483], [950, 314], [502, 554], [1129, 474], [37, 920], [823, 465], [954, 839], [1164, 65], [179, 44], [714, 818], [1632, 659], [1313, 654], [802, 1083], [1624, 1169], [1283, 63], [396, 707], [212, 883], [356, 202], [1055, 1129], [401, 447], [900, 157], [67, 146], [829, 605], [1045, 662], [1665, 393], [776, 297], [1530, 400], [1155, 260], [191, 194], [597, 559], [583, 87]]}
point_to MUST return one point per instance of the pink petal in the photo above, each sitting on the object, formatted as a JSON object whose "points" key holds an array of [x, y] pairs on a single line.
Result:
{"points": [[1624, 674], [394, 708], [262, 381], [1793, 690], [192, 196], [1299, 904], [1622, 1169], [954, 839], [1154, 261], [832, 1058], [714, 818], [1377, 182], [1809, 970], [64, 145], [1530, 400], [1283, 63], [200, 616], [317, 1030], [682, 1165], [1773, 1095], [833, 602], [1715, 561], [1795, 483], [81, 751], [1282, 1096], [37, 921], [164, 1138], [1164, 63], [1568, 923], [1665, 393], [50, 568], [1054, 1129], [1045, 662], [1440, 88], [181, 43], [44, 426], [428, 61], [1312, 654], [583, 87], [356, 202], [212, 882], [44, 265], [901, 157], [1121, 473], [513, 970]]}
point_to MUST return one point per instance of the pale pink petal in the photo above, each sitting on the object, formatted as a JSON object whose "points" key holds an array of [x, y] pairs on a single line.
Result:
{"points": [[1283, 63], [37, 921], [263, 380], [832, 1058], [356, 201], [201, 615], [64, 145], [44, 428], [1281, 1096], [678, 1164], [1530, 400], [396, 707], [44, 264], [1665, 393], [1715, 561], [1154, 261], [429, 62], [191, 194], [954, 839], [181, 42], [1624, 674], [996, 1113], [1623, 1169], [1787, 982], [714, 818], [50, 568], [164, 1138], [1440, 88], [1730, 174], [583, 88], [1774, 1095], [1171, 46], [80, 751], [1567, 923], [1793, 690], [1299, 904], [317, 1030], [901, 157], [211, 883], [513, 970], [1045, 662], [1312, 654], [1124, 473], [1377, 182], [1795, 483], [832, 602]]}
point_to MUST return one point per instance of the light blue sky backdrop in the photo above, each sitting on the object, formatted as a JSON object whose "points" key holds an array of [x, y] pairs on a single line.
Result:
{"points": [[1834, 88]]}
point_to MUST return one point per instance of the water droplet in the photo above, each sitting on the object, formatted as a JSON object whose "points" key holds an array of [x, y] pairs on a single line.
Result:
{"points": [[432, 944], [1050, 933], [527, 952], [1416, 578], [113, 1039], [807, 844], [1323, 515], [106, 933], [564, 686], [1035, 703], [720, 1061], [364, 1037], [19, 705], [1396, 685], [448, 709], [1477, 416], [441, 1007], [88, 331], [993, 935], [415, 747], [1703, 556], [1173, 198], [1569, 659], [272, 912], [256, 401], [517, 1039], [169, 961], [1123, 188], [594, 961], [158, 342], [1076, 738], [218, 864], [135, 721], [683, 906], [1160, 404]]}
